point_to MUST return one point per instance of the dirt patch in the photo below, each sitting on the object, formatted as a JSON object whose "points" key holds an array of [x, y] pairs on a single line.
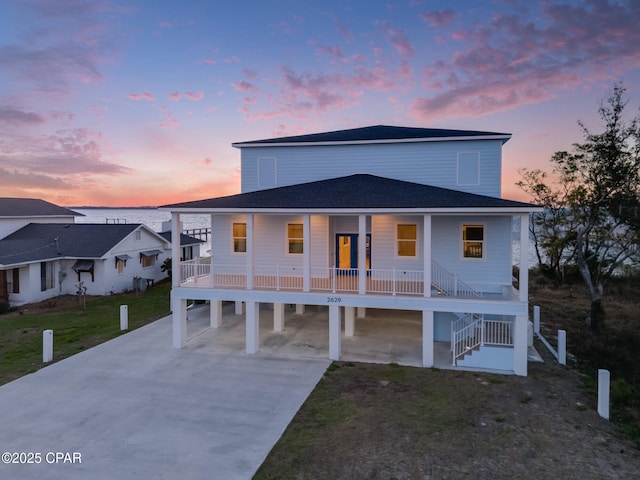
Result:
{"points": [[56, 304], [389, 422]]}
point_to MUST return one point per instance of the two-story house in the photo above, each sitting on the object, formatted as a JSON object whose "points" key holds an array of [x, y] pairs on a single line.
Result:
{"points": [[378, 217]]}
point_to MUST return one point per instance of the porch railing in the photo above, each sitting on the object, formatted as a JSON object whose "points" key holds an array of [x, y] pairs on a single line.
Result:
{"points": [[473, 331], [393, 281]]}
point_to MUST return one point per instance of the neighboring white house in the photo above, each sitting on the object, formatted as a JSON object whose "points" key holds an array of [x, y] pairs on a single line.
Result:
{"points": [[376, 217], [43, 253]]}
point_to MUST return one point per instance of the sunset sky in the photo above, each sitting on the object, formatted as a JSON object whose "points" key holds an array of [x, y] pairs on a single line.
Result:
{"points": [[131, 103]]}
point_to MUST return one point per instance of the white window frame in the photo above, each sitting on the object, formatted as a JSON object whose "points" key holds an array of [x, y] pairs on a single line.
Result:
{"points": [[398, 240], [483, 242], [233, 238], [289, 239]]}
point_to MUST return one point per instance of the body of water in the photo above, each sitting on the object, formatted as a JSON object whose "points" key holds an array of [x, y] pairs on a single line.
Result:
{"points": [[153, 218]]}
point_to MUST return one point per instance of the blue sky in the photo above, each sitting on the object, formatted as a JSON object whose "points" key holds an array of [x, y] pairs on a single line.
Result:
{"points": [[137, 103]]}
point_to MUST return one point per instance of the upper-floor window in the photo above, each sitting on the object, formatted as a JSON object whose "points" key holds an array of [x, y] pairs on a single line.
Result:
{"points": [[407, 240], [239, 238], [473, 241], [295, 238], [138, 235]]}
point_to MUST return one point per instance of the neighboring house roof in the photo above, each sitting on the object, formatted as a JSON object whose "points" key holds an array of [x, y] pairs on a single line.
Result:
{"points": [[185, 240], [355, 192], [45, 241], [376, 134], [33, 207]]}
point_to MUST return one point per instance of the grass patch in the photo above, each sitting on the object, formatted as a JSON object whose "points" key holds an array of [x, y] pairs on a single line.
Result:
{"points": [[74, 329]]}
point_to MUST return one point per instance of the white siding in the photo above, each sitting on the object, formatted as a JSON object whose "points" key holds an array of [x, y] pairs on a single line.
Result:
{"points": [[13, 224], [485, 275], [430, 163]]}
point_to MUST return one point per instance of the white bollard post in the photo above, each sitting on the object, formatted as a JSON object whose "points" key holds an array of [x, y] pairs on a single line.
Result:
{"points": [[562, 347], [124, 317], [536, 320], [47, 346], [604, 378]]}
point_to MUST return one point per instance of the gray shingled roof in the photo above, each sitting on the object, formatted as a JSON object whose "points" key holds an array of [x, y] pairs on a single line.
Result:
{"points": [[43, 241], [185, 240], [360, 191], [33, 207], [375, 133]]}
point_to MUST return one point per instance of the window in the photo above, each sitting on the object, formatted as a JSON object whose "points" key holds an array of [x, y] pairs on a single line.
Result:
{"points": [[295, 238], [46, 276], [137, 235], [148, 258], [473, 241], [407, 240], [239, 238], [120, 264]]}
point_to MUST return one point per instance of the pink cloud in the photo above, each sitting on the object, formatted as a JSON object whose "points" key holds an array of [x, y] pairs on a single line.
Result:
{"points": [[142, 96], [209, 60], [513, 60], [439, 18], [174, 96], [169, 122], [165, 24], [194, 95], [250, 74], [399, 39], [243, 86], [11, 116]]}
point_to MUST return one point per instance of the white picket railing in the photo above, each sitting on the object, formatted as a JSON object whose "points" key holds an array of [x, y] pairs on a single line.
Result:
{"points": [[325, 279], [474, 330], [449, 284]]}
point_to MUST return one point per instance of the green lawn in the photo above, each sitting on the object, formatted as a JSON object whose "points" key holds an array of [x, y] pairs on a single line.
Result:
{"points": [[74, 329]]}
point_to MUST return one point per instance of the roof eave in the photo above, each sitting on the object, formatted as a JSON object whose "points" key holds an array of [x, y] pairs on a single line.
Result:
{"points": [[364, 211], [503, 137]]}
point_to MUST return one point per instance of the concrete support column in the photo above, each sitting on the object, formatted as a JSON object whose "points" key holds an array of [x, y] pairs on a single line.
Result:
{"points": [[427, 338], [278, 317], [306, 253], [300, 309], [362, 254], [239, 307], [426, 248], [249, 254], [253, 327], [520, 345], [362, 312], [335, 332], [212, 270], [215, 313], [176, 276], [524, 258], [349, 321], [179, 323]]}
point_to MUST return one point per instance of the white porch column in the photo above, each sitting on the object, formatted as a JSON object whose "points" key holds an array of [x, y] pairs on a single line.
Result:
{"points": [[175, 250], [253, 327], [524, 258], [427, 338], [176, 276], [249, 254], [334, 332], [278, 317], [215, 313], [362, 312], [306, 252], [179, 323], [520, 345], [211, 271], [426, 248], [300, 309], [239, 310], [349, 321], [362, 254]]}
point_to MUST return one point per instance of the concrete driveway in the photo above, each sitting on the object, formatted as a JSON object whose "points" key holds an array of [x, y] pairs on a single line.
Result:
{"points": [[136, 408]]}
